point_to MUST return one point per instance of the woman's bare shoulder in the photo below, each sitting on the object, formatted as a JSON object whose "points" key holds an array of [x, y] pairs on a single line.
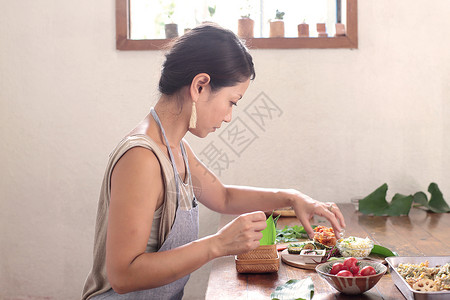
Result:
{"points": [[139, 167]]}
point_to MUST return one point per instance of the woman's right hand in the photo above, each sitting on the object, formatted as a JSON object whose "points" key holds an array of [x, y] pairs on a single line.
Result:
{"points": [[240, 235]]}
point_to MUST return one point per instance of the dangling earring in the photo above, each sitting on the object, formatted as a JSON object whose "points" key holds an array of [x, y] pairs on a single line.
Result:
{"points": [[193, 119]]}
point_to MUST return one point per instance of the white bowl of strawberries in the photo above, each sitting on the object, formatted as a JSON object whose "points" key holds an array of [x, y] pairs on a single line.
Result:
{"points": [[350, 275]]}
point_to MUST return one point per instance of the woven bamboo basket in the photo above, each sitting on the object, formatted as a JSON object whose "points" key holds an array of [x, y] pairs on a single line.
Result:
{"points": [[266, 265], [262, 252]]}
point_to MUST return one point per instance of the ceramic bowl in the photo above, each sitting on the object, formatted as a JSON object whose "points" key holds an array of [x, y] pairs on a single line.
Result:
{"points": [[352, 285]]}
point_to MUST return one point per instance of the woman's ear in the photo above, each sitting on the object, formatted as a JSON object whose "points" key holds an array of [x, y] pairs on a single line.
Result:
{"points": [[198, 85]]}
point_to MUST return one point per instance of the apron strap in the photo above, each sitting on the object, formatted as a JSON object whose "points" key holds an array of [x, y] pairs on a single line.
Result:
{"points": [[174, 166], [183, 151]]}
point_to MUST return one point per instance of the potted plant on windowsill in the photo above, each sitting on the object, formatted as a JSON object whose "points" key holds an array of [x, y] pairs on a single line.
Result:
{"points": [[171, 29], [303, 29], [245, 27], [212, 11], [245, 23], [277, 25]]}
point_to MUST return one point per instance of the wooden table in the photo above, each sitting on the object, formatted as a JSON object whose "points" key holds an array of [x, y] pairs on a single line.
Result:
{"points": [[419, 234]]}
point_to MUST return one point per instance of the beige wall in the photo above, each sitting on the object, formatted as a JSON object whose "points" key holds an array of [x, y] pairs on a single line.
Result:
{"points": [[352, 120]]}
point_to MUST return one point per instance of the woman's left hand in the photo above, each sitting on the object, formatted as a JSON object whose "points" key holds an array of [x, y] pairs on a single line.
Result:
{"points": [[305, 208]]}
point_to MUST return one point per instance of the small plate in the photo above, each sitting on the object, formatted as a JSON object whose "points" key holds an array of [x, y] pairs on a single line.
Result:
{"points": [[301, 261], [310, 256]]}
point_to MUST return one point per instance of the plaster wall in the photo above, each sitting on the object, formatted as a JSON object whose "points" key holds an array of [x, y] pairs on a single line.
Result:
{"points": [[349, 121]]}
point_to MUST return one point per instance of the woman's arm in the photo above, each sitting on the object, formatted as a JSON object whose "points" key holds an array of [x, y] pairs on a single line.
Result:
{"points": [[136, 191], [241, 199]]}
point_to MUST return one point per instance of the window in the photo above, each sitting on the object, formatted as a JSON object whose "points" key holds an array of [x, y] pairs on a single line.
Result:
{"points": [[140, 23]]}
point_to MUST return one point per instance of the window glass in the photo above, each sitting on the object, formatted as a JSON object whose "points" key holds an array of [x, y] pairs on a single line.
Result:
{"points": [[148, 17]]}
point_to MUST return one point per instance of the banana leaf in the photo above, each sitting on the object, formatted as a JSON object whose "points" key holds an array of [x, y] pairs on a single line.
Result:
{"points": [[294, 289], [270, 232], [376, 204], [382, 251], [437, 204]]}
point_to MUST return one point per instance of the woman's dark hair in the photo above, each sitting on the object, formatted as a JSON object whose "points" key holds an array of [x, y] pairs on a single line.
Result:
{"points": [[209, 49]]}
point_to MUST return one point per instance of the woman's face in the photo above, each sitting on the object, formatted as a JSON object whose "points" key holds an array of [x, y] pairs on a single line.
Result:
{"points": [[215, 108]]}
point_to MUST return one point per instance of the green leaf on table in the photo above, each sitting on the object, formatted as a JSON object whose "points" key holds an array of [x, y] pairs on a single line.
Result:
{"points": [[436, 204], [294, 289], [382, 251], [400, 205], [270, 232], [376, 204], [292, 234]]}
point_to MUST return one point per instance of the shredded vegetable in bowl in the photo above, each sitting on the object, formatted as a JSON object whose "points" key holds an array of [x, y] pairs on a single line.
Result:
{"points": [[355, 246]]}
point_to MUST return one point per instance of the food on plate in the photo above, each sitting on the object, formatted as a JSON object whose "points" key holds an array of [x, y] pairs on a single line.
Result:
{"points": [[291, 234], [295, 250], [425, 285], [423, 278], [350, 268], [355, 247], [313, 252], [325, 236], [309, 246]]}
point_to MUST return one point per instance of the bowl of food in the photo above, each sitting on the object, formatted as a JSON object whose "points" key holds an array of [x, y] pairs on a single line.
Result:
{"points": [[324, 236], [355, 247], [351, 276]]}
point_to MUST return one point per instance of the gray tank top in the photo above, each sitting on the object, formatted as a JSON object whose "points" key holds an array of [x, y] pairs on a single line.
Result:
{"points": [[184, 230]]}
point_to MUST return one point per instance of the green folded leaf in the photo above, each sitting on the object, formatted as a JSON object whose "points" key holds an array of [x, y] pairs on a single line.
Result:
{"points": [[376, 204], [421, 199], [274, 232], [276, 219], [383, 251], [269, 233], [294, 289], [437, 202], [400, 205]]}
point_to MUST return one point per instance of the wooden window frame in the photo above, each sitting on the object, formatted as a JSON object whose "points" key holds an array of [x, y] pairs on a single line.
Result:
{"points": [[350, 40]]}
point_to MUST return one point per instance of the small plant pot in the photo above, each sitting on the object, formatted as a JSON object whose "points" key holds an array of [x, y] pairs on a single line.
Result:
{"points": [[322, 30], [276, 28], [171, 30], [245, 28], [303, 30], [340, 29]]}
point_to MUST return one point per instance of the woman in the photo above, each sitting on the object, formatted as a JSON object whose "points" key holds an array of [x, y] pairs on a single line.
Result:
{"points": [[146, 240]]}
